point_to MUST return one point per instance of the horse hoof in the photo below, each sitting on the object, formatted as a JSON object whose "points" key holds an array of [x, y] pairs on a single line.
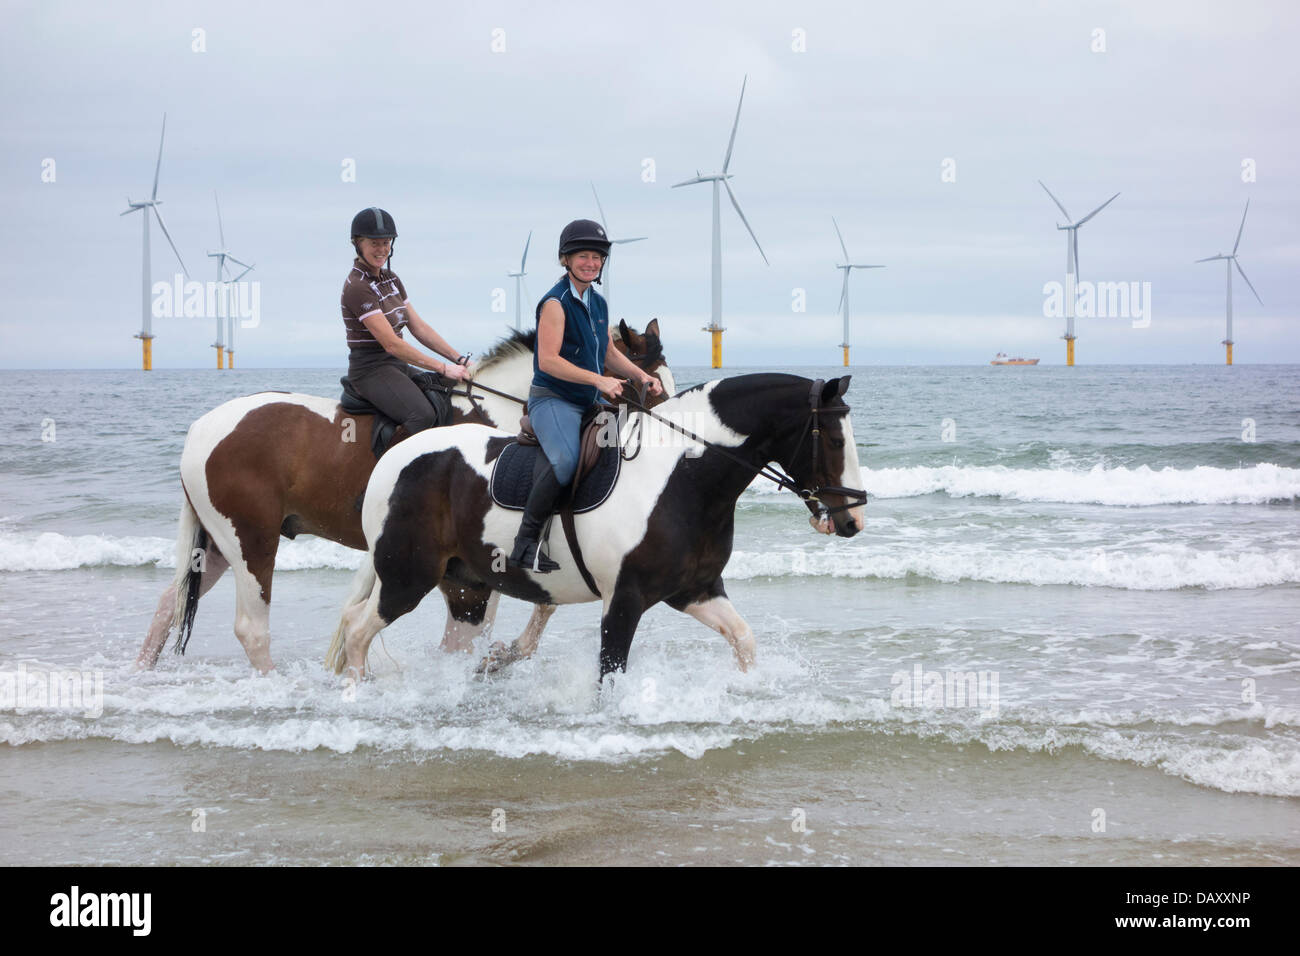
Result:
{"points": [[498, 656]]}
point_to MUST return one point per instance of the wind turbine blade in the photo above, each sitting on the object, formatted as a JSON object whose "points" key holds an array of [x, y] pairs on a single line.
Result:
{"points": [[691, 182], [633, 239], [600, 207], [1240, 228], [1055, 200], [169, 241], [1097, 210], [841, 235], [1211, 258], [745, 221], [129, 211], [732, 142], [524, 260], [1243, 275], [844, 290], [240, 261], [157, 168], [856, 265], [242, 274], [1074, 251], [221, 230]]}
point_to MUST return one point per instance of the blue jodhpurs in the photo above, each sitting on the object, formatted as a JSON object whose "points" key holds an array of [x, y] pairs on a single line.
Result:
{"points": [[556, 424]]}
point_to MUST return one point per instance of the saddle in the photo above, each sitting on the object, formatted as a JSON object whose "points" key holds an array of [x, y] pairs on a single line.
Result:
{"points": [[383, 433], [600, 460], [599, 463]]}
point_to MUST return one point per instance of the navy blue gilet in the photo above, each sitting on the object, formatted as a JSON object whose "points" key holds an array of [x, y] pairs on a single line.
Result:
{"points": [[586, 337]]}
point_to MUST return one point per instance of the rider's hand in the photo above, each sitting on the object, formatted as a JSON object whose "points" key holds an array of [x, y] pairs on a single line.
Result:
{"points": [[653, 385], [457, 373], [611, 388]]}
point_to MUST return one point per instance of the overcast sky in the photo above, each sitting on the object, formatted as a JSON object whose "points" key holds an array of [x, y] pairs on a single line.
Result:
{"points": [[471, 147]]}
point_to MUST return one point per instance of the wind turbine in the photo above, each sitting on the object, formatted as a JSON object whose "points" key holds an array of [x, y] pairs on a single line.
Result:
{"points": [[844, 292], [519, 277], [221, 255], [145, 335], [605, 278], [715, 324], [1072, 266], [1228, 262]]}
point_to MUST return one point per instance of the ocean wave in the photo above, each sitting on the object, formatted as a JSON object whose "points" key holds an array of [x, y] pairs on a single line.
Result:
{"points": [[1119, 486], [51, 551], [669, 705], [1169, 568]]}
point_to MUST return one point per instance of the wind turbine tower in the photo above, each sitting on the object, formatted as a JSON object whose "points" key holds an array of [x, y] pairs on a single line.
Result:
{"points": [[605, 283], [714, 328], [1229, 262], [1071, 230], [221, 255], [844, 291], [519, 277], [145, 335]]}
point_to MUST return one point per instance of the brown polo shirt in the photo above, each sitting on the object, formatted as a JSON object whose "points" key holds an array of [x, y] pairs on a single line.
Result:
{"points": [[366, 294]]}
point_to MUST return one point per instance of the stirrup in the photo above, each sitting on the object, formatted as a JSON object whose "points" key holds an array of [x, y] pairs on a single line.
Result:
{"points": [[528, 555]]}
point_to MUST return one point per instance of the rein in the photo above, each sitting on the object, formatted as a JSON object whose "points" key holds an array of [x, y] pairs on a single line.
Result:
{"points": [[856, 496]]}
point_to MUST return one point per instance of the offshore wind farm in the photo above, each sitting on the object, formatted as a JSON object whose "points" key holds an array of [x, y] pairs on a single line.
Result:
{"points": [[1064, 635]]}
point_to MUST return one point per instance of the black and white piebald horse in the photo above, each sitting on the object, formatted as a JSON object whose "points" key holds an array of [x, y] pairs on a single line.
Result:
{"points": [[663, 534]]}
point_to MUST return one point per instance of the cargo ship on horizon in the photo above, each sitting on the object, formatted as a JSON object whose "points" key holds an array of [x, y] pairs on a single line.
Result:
{"points": [[1002, 359]]}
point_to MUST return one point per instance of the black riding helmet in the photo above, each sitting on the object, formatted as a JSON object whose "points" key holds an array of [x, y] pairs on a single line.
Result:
{"points": [[583, 235], [373, 223]]}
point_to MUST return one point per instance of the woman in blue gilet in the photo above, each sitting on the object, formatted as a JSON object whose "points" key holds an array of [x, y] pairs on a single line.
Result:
{"points": [[573, 351]]}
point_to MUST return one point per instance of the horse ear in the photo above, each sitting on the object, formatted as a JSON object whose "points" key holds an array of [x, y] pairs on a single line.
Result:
{"points": [[625, 332], [833, 389], [653, 328]]}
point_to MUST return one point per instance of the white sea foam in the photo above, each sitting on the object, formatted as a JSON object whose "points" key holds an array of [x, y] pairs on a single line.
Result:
{"points": [[1168, 567], [1120, 486], [51, 551]]}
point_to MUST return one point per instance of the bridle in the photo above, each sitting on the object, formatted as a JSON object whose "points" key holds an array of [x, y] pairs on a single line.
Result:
{"points": [[857, 497]]}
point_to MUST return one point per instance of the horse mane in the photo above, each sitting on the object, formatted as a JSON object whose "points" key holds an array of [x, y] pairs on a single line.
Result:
{"points": [[522, 343], [516, 343]]}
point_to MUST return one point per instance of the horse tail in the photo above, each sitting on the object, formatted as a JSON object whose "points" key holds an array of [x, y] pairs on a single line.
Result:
{"points": [[191, 552], [363, 583]]}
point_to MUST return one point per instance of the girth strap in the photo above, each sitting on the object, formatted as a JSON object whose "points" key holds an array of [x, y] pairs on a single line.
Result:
{"points": [[571, 536]]}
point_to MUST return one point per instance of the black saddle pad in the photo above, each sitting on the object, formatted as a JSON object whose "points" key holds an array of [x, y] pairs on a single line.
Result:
{"points": [[512, 477]]}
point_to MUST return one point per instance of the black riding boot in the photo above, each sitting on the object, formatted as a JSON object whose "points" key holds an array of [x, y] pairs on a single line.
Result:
{"points": [[541, 501]]}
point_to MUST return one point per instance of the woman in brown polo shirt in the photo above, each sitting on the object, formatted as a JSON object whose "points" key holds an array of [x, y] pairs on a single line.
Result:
{"points": [[375, 311]]}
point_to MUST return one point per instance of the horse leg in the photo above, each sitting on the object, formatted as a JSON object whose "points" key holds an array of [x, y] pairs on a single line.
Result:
{"points": [[500, 656], [387, 601], [617, 628], [718, 613], [469, 610], [252, 570], [214, 566]]}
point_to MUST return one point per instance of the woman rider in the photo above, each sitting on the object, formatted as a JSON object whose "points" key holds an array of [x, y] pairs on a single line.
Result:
{"points": [[375, 310], [573, 351]]}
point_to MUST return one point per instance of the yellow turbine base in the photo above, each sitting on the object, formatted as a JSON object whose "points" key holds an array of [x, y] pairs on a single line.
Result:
{"points": [[146, 356], [1229, 347], [1069, 351], [717, 347], [220, 363], [230, 359], [846, 356]]}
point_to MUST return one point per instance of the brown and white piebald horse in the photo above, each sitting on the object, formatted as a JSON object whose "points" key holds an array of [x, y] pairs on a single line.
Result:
{"points": [[279, 463], [663, 534]]}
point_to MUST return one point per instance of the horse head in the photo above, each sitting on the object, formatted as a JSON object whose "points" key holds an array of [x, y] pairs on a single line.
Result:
{"points": [[646, 351], [823, 460]]}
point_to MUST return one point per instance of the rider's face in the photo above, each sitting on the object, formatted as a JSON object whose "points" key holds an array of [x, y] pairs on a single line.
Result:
{"points": [[585, 264], [376, 251]]}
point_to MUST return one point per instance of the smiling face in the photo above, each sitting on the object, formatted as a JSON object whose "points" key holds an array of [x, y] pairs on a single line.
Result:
{"points": [[374, 252], [584, 264]]}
